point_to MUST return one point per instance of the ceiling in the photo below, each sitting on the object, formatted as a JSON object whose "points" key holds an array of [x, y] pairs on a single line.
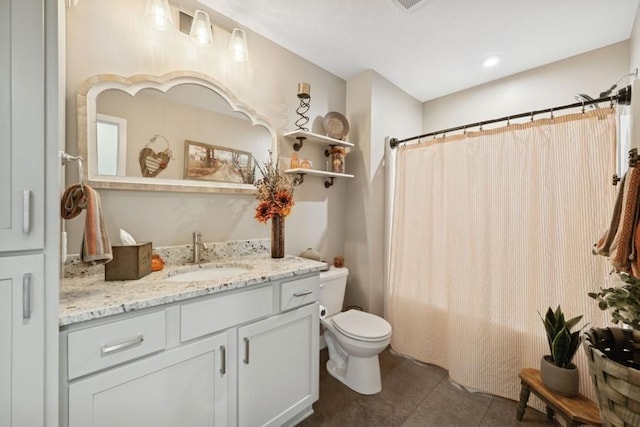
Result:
{"points": [[436, 47]]}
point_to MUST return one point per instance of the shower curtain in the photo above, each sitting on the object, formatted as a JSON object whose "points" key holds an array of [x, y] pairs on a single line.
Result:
{"points": [[491, 228]]}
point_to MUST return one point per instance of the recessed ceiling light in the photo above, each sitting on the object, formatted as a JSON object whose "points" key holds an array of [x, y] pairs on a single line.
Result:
{"points": [[490, 61]]}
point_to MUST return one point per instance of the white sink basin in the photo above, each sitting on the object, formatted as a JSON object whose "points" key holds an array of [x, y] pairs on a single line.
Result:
{"points": [[208, 273]]}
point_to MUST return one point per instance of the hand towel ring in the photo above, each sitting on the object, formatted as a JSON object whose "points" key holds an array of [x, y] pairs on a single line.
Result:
{"points": [[66, 158]]}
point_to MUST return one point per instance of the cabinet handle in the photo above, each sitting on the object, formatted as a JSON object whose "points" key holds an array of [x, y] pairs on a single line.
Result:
{"points": [[26, 296], [26, 211], [246, 351], [302, 293], [106, 349], [223, 360]]}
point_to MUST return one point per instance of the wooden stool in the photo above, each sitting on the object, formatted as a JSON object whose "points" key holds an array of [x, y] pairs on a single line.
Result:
{"points": [[575, 410]]}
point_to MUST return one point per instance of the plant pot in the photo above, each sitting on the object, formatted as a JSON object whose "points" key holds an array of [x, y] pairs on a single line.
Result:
{"points": [[614, 367], [563, 381]]}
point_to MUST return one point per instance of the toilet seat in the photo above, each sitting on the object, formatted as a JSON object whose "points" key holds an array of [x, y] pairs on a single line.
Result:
{"points": [[361, 326]]}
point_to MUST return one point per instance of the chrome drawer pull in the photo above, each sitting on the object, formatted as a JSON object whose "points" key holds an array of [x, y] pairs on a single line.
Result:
{"points": [[106, 349], [246, 351], [223, 360], [302, 293], [26, 296]]}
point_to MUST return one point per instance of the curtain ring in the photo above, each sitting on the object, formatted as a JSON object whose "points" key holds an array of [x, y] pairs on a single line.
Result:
{"points": [[583, 106], [464, 130], [551, 110], [611, 101], [532, 116], [508, 121]]}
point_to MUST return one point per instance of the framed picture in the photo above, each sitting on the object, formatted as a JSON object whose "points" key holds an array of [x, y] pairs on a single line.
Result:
{"points": [[213, 163]]}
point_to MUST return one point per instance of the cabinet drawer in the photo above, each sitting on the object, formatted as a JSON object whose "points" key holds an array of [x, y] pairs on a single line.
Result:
{"points": [[215, 314], [299, 292], [103, 346]]}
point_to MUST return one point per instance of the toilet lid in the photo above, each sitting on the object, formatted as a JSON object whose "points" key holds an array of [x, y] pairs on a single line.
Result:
{"points": [[362, 326]]}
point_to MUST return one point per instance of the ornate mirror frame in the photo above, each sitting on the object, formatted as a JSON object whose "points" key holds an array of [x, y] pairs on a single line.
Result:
{"points": [[86, 126]]}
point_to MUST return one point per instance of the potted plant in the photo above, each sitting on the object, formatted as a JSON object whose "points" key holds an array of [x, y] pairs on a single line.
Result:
{"points": [[558, 373]]}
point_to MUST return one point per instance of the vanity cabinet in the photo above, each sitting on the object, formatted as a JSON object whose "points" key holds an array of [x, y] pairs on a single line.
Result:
{"points": [[21, 340], [302, 137], [278, 367], [186, 386], [246, 357]]}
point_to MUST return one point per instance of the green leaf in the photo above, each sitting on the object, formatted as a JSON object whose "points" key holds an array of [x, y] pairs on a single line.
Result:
{"points": [[560, 348], [573, 322]]}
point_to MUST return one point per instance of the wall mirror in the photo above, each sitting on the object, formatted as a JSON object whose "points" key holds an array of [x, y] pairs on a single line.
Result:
{"points": [[182, 131]]}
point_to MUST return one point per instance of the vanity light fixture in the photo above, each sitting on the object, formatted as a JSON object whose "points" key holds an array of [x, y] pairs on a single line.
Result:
{"points": [[201, 33], [158, 14], [238, 46]]}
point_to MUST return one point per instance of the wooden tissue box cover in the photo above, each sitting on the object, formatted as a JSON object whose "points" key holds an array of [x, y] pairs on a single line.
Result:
{"points": [[129, 262]]}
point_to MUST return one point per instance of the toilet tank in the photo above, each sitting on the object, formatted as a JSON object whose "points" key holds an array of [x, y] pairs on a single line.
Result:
{"points": [[333, 283]]}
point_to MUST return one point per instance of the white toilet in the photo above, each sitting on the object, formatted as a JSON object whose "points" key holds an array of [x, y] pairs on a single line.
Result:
{"points": [[354, 338]]}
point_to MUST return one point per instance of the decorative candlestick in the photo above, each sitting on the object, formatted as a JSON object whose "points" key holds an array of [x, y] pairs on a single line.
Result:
{"points": [[304, 95]]}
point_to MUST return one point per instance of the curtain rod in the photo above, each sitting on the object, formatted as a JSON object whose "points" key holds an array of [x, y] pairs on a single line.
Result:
{"points": [[623, 97]]}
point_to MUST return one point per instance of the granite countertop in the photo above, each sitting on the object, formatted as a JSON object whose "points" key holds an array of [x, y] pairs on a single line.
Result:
{"points": [[91, 297]]}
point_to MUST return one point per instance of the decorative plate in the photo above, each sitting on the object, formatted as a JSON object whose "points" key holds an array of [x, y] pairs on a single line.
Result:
{"points": [[336, 125]]}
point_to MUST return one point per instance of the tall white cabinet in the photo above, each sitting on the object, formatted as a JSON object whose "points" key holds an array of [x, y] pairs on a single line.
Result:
{"points": [[21, 340], [29, 130]]}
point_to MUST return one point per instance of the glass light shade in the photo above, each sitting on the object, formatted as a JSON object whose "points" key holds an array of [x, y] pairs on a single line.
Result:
{"points": [[238, 46], [158, 14], [201, 33]]}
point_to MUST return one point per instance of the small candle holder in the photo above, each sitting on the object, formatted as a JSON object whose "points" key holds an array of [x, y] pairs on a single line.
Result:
{"points": [[304, 95]]}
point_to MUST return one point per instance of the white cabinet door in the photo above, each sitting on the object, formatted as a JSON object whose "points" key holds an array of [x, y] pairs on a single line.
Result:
{"points": [[186, 387], [22, 137], [22, 341], [278, 367]]}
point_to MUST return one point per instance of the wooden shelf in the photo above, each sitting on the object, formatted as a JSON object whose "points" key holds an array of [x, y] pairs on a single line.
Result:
{"points": [[302, 136], [330, 176]]}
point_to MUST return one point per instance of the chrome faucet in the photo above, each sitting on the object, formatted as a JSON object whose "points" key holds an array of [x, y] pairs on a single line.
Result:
{"points": [[197, 246]]}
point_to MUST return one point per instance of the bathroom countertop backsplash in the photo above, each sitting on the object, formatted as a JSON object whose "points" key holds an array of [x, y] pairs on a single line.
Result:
{"points": [[85, 295], [179, 255]]}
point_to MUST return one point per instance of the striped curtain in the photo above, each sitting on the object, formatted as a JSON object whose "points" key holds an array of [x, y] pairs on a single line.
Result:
{"points": [[489, 229]]}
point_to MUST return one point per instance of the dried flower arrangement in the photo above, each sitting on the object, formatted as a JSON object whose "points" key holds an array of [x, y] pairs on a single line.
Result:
{"points": [[274, 191]]}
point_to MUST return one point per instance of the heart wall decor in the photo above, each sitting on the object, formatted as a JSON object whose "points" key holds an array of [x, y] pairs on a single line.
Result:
{"points": [[152, 163]]}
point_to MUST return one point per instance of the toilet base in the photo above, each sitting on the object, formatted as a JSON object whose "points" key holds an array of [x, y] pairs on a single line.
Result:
{"points": [[362, 374]]}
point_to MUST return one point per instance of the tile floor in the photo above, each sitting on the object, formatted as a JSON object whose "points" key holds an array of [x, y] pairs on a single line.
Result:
{"points": [[413, 394]]}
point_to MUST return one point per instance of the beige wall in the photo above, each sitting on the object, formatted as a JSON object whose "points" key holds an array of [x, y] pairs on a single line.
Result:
{"points": [[543, 87], [634, 56], [380, 109], [112, 37]]}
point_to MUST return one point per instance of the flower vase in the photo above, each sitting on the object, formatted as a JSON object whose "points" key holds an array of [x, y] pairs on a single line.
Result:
{"points": [[277, 237]]}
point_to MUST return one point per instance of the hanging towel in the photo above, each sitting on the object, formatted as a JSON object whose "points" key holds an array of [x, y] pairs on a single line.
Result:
{"points": [[620, 257], [607, 243], [96, 247]]}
